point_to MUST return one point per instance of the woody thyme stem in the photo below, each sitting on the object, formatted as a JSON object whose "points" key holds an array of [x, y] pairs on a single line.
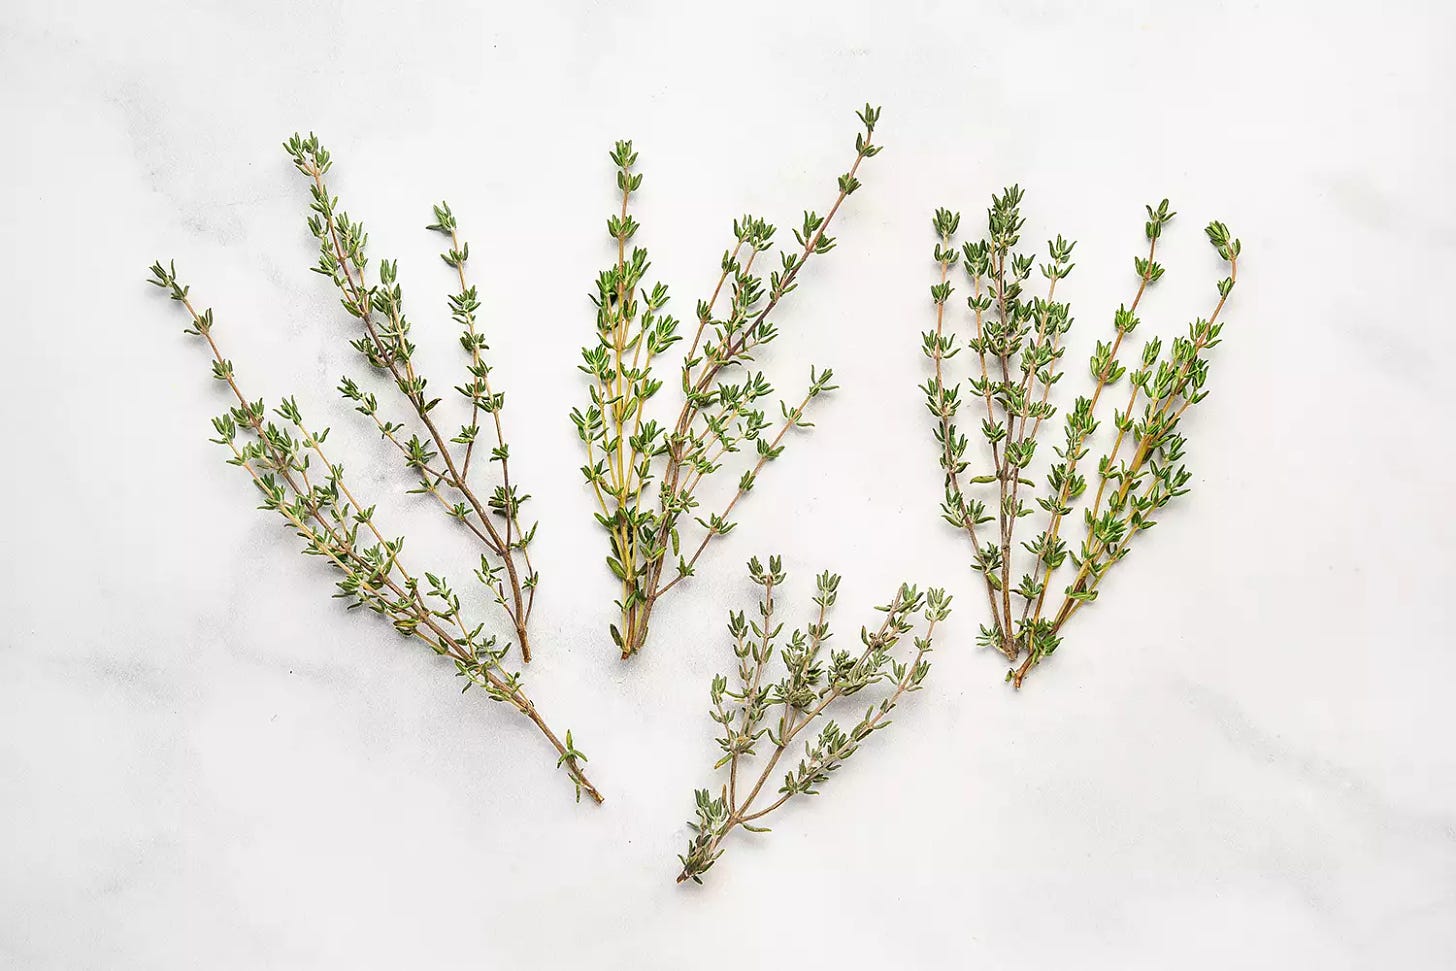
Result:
{"points": [[387, 348]]}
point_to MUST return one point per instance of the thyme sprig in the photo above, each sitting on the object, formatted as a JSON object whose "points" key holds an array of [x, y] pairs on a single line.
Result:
{"points": [[442, 463], [627, 451], [1016, 345], [287, 463], [780, 712]]}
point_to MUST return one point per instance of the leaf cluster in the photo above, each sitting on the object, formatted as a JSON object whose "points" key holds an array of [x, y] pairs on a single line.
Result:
{"points": [[760, 715]]}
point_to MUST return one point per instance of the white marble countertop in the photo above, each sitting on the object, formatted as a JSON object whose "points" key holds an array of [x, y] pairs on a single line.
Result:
{"points": [[1242, 755]]}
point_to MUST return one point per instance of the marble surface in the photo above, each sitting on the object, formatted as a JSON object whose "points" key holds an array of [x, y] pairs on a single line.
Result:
{"points": [[1242, 756]]}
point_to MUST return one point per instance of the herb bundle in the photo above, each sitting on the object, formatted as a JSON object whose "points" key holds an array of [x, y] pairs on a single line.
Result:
{"points": [[442, 464], [626, 450], [1015, 357], [782, 711], [314, 500]]}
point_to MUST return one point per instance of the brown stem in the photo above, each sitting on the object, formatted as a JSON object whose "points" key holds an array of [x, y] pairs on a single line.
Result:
{"points": [[457, 481], [1009, 646], [948, 460]]}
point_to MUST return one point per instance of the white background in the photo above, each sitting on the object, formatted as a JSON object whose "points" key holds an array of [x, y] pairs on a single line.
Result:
{"points": [[1240, 758]]}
